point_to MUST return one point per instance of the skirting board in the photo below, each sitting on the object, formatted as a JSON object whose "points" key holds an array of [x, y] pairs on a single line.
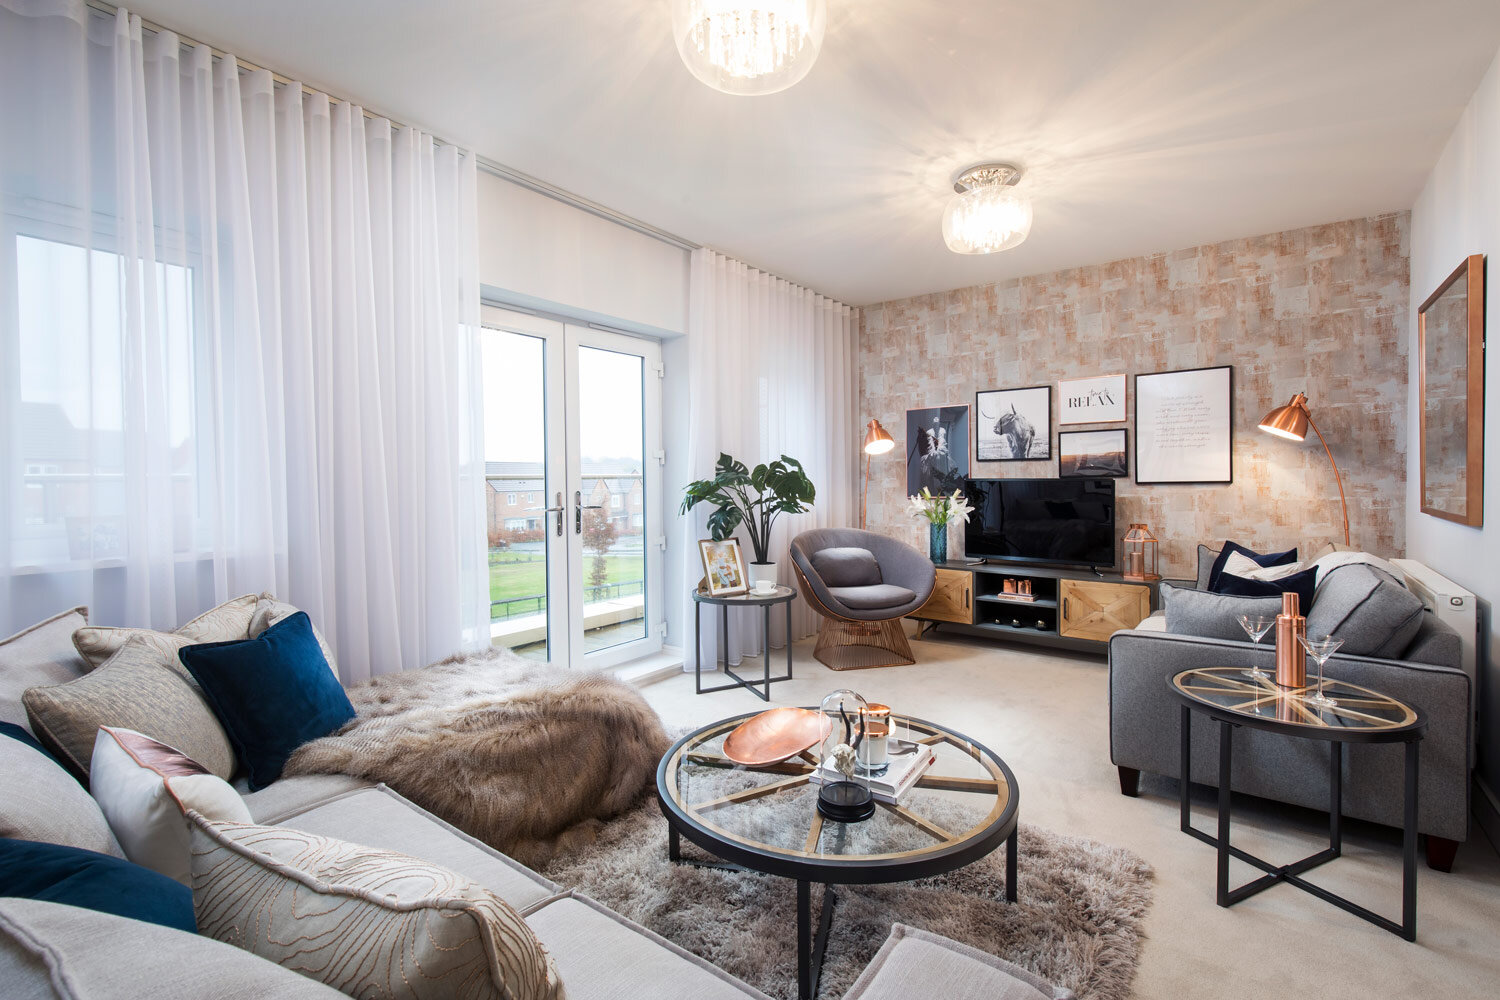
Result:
{"points": [[1486, 809]]}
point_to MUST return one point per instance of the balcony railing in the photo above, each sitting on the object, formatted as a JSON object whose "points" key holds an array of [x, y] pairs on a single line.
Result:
{"points": [[531, 604]]}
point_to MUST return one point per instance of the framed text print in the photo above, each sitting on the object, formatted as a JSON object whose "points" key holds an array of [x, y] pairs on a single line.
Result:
{"points": [[1184, 426], [1096, 400]]}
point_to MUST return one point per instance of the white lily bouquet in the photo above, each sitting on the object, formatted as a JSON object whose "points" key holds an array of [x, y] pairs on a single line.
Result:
{"points": [[940, 510]]}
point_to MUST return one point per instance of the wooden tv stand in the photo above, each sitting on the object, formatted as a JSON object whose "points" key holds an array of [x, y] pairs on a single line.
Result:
{"points": [[1072, 608]]}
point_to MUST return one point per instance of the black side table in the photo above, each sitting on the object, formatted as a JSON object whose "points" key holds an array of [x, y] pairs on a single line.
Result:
{"points": [[1232, 698], [781, 595]]}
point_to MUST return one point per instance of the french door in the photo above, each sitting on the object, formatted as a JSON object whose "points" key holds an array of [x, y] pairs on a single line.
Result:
{"points": [[573, 490]]}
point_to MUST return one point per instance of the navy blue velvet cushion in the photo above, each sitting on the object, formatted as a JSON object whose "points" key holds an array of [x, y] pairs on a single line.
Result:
{"points": [[20, 734], [33, 869], [1302, 584], [272, 693], [1230, 548]]}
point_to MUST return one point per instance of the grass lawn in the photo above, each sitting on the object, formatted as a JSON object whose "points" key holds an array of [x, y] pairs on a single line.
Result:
{"points": [[510, 576]]}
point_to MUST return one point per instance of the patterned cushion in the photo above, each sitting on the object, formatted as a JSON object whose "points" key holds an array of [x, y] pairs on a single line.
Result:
{"points": [[41, 654], [269, 611], [41, 801], [364, 921], [136, 689], [144, 788], [230, 620]]}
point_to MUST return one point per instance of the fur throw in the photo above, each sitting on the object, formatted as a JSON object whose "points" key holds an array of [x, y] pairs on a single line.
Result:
{"points": [[512, 752]]}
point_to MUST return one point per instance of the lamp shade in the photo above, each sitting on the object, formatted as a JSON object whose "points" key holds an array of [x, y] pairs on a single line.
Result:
{"points": [[1289, 421], [878, 440]]}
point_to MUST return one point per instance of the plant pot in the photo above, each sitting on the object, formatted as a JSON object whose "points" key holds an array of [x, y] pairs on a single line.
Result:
{"points": [[762, 571]]}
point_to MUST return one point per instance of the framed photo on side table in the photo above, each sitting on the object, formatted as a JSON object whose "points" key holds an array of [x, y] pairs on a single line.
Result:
{"points": [[937, 449], [723, 567], [1014, 425], [1096, 400], [1184, 426], [1092, 454]]}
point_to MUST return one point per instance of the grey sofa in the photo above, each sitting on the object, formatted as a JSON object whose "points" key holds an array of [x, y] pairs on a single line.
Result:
{"points": [[1145, 724], [862, 584]]}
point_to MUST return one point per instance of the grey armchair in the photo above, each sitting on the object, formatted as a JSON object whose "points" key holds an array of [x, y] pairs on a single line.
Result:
{"points": [[862, 584]]}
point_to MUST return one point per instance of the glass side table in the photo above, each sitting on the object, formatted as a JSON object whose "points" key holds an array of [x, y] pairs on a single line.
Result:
{"points": [[1227, 696], [781, 595]]}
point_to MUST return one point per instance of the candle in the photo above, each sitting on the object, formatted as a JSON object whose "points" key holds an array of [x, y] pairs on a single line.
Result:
{"points": [[876, 757]]}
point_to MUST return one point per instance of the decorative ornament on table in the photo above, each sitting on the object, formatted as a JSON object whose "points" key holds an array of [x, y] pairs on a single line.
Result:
{"points": [[1140, 554], [844, 796], [1291, 658], [940, 510]]}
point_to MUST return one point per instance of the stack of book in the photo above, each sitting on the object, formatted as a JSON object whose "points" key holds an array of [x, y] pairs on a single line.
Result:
{"points": [[903, 772]]}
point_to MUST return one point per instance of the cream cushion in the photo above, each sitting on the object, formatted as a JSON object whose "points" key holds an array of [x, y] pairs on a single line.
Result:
{"points": [[140, 689], [39, 655], [366, 922], [144, 788], [41, 801], [230, 620], [1245, 568]]}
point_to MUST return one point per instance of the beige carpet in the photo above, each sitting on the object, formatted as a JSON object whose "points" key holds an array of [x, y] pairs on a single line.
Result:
{"points": [[1077, 921]]}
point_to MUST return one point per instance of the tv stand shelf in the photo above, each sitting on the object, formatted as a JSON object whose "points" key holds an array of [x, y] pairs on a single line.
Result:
{"points": [[1075, 609]]}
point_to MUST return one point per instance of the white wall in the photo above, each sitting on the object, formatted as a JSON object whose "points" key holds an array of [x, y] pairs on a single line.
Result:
{"points": [[1457, 214], [539, 253]]}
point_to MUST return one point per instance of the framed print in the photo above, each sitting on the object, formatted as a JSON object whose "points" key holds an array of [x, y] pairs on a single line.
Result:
{"points": [[1184, 426], [723, 567], [1096, 400], [937, 449], [1015, 425], [1092, 454]]}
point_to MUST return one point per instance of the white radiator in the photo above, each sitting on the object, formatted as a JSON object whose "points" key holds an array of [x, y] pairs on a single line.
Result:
{"points": [[1455, 607]]}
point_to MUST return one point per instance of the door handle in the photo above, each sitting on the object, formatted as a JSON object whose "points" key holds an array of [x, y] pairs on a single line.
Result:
{"points": [[1065, 608], [578, 508]]}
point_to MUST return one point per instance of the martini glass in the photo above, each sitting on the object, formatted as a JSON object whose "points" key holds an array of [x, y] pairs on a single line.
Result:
{"points": [[1256, 627], [1320, 648]]}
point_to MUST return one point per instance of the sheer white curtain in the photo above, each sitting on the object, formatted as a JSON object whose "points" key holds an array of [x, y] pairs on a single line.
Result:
{"points": [[772, 373], [238, 341]]}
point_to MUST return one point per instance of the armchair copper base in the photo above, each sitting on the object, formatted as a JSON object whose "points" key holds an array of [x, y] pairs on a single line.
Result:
{"points": [[846, 644]]}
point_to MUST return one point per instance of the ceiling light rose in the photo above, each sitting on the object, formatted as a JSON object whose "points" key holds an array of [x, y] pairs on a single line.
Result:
{"points": [[749, 47], [987, 214]]}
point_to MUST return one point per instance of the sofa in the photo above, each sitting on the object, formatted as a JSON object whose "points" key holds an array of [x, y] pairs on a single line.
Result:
{"points": [[1427, 673], [51, 950]]}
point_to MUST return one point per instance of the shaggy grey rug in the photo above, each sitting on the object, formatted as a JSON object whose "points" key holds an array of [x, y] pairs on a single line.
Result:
{"points": [[1077, 922]]}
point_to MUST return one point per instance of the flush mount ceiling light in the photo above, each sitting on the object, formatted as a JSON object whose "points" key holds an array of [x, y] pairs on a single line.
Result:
{"points": [[987, 214], [749, 46]]}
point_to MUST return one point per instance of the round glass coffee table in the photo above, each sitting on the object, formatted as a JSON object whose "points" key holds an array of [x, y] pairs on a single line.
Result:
{"points": [[1233, 699], [766, 820]]}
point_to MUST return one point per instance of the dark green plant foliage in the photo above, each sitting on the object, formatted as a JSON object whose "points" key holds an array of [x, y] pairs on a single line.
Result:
{"points": [[780, 487]]}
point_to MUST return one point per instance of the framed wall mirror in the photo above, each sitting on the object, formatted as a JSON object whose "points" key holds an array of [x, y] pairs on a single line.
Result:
{"points": [[1450, 346]]}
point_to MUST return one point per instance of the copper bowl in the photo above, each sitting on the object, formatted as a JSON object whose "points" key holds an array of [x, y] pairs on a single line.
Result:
{"points": [[772, 737]]}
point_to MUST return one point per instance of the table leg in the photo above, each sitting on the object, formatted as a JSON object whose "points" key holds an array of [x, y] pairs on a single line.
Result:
{"points": [[1409, 848], [1336, 798], [697, 648], [1011, 853], [766, 649], [1226, 760], [788, 639], [804, 941], [674, 844], [1185, 769]]}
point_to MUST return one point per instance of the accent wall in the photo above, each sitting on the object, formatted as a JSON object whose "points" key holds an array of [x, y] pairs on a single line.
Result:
{"points": [[1322, 310]]}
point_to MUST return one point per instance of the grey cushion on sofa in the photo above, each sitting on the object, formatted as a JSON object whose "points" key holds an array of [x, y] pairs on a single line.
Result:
{"points": [[873, 598], [1367, 608], [1206, 558], [846, 566], [917, 963], [41, 801], [600, 955], [39, 656], [49, 951], [1212, 616]]}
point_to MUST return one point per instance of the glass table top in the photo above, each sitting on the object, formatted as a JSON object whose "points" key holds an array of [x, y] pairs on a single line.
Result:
{"points": [[1356, 709], [962, 797]]}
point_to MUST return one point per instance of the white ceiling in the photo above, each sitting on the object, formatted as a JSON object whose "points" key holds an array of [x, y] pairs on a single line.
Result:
{"points": [[1142, 125]]}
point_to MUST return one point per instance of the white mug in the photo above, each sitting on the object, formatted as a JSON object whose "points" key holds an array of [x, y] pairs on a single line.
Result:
{"points": [[765, 586]]}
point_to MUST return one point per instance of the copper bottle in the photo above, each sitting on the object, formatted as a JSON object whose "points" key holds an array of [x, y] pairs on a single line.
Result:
{"points": [[1291, 658]]}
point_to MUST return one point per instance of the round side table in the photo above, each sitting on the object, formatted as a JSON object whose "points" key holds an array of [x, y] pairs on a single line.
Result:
{"points": [[781, 595]]}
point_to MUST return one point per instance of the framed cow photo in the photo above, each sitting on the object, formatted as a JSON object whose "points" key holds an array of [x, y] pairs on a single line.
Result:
{"points": [[1014, 425], [937, 449]]}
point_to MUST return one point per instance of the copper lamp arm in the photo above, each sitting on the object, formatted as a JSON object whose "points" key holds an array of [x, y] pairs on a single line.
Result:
{"points": [[1336, 477]]}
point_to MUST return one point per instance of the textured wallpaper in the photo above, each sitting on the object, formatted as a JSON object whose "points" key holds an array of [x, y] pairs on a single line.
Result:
{"points": [[1321, 310]]}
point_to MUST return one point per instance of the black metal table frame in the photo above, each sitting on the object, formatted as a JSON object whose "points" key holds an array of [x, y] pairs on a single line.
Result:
{"points": [[1292, 873], [723, 645], [811, 947]]}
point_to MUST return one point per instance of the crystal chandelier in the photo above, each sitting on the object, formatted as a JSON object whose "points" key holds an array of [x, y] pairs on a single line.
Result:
{"points": [[987, 214], [749, 46]]}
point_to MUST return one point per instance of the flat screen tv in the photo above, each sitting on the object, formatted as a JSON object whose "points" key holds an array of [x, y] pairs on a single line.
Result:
{"points": [[1057, 522]]}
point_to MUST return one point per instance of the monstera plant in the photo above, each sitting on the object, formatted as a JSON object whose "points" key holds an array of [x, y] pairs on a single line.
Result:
{"points": [[752, 497]]}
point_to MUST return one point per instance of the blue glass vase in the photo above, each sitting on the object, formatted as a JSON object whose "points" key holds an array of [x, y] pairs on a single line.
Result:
{"points": [[937, 542]]}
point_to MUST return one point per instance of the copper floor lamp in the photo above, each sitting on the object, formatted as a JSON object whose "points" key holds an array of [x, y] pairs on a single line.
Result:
{"points": [[878, 441], [1292, 421]]}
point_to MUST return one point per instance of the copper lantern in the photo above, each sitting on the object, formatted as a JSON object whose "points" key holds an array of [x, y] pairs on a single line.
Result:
{"points": [[1140, 554]]}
